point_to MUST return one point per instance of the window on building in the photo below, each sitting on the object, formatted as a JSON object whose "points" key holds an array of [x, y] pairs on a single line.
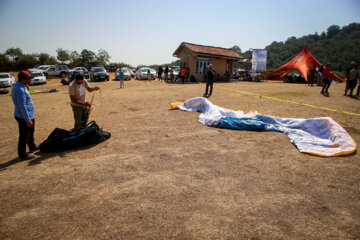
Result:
{"points": [[201, 64]]}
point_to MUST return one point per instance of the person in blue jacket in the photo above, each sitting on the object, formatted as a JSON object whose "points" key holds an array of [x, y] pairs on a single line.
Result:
{"points": [[121, 77], [24, 115]]}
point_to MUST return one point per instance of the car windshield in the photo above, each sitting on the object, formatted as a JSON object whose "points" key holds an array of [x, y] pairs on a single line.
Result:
{"points": [[125, 70], [4, 75], [36, 74], [145, 70], [43, 68], [99, 69]]}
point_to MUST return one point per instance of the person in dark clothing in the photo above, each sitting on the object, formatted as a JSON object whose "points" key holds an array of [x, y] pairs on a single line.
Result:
{"points": [[312, 75], [348, 69], [210, 76], [354, 75], [166, 73], [320, 75], [24, 115], [160, 71]]}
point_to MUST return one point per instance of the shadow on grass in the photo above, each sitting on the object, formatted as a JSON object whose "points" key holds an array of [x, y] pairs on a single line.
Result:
{"points": [[41, 156]]}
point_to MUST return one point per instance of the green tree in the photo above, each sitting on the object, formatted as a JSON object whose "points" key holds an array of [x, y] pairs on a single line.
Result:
{"points": [[44, 58], [14, 53], [332, 31], [103, 57], [236, 49], [5, 63], [62, 55], [75, 59], [53, 60], [87, 57], [26, 61]]}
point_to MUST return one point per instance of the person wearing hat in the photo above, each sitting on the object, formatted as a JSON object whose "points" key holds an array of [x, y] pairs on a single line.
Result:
{"points": [[210, 75], [78, 101], [24, 115]]}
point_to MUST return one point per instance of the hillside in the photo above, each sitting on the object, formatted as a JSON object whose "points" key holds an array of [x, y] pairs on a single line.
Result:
{"points": [[338, 46]]}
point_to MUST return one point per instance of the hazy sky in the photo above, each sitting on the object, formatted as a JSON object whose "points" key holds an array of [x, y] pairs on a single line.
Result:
{"points": [[148, 32]]}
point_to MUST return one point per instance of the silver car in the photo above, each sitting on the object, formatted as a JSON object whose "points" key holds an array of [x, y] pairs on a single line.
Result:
{"points": [[142, 73], [127, 75], [82, 70]]}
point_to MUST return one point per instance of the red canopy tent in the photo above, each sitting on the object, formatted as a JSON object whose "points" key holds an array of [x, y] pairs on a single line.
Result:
{"points": [[303, 62]]}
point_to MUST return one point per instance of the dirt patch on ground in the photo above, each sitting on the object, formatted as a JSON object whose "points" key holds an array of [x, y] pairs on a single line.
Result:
{"points": [[163, 175]]}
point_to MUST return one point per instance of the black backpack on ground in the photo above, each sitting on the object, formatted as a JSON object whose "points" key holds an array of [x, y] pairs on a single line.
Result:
{"points": [[60, 139]]}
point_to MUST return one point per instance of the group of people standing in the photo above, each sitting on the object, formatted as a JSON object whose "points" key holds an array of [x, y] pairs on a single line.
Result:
{"points": [[321, 77], [316, 76], [24, 109], [169, 72]]}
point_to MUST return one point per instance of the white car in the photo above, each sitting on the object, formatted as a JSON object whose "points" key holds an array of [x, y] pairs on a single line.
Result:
{"points": [[131, 73], [37, 78], [127, 75], [142, 73], [6, 80]]}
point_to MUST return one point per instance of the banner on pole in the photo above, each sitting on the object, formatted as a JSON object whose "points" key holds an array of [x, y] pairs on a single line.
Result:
{"points": [[259, 60]]}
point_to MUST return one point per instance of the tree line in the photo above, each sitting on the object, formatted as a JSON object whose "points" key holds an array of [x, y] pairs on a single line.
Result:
{"points": [[13, 59], [337, 46]]}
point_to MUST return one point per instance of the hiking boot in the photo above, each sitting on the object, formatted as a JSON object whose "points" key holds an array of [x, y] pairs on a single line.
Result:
{"points": [[34, 148]]}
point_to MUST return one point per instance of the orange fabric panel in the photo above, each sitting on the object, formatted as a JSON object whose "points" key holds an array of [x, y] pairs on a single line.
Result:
{"points": [[303, 62]]}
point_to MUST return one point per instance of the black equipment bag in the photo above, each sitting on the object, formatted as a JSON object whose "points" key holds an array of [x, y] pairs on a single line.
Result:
{"points": [[60, 139]]}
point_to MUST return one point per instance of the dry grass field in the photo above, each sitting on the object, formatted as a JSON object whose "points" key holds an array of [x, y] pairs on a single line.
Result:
{"points": [[163, 175]]}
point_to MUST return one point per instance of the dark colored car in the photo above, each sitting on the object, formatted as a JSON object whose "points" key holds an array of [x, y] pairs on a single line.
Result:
{"points": [[112, 68], [98, 74]]}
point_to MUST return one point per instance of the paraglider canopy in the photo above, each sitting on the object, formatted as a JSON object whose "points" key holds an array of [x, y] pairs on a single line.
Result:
{"points": [[303, 63]]}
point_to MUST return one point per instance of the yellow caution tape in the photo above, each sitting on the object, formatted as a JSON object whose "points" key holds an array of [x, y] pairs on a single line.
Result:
{"points": [[288, 101]]}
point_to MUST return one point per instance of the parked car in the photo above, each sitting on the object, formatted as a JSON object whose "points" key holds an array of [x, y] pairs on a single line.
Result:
{"points": [[57, 71], [132, 74], [98, 74], [37, 78], [175, 72], [81, 70], [127, 75], [39, 68], [6, 80], [134, 70], [112, 68], [141, 73], [172, 74]]}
